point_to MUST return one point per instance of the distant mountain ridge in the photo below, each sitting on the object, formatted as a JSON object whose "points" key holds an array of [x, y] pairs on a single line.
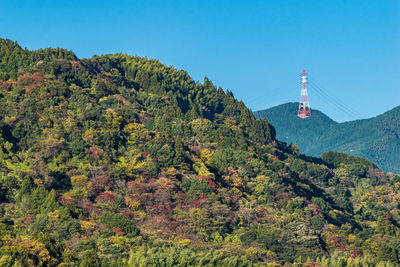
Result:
{"points": [[376, 139]]}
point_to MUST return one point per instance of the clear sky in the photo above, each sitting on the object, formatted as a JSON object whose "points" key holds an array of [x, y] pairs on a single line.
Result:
{"points": [[256, 49]]}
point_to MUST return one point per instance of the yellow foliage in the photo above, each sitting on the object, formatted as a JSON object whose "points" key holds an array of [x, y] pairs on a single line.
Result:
{"points": [[82, 187], [112, 118], [183, 242], [84, 167], [89, 135], [172, 171], [119, 241], [131, 163], [371, 245], [86, 225], [31, 246], [79, 180], [251, 251], [351, 238], [237, 182], [258, 188], [9, 120], [332, 213], [236, 191], [136, 131], [233, 239], [217, 238], [205, 155], [131, 203], [38, 182], [140, 215], [201, 169], [54, 215], [372, 224], [131, 127], [124, 242], [331, 226]]}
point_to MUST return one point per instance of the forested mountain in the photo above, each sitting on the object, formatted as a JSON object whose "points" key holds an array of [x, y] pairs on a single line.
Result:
{"points": [[120, 160], [377, 139]]}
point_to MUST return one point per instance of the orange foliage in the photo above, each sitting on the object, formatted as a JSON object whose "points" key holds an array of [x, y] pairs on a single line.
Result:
{"points": [[31, 81]]}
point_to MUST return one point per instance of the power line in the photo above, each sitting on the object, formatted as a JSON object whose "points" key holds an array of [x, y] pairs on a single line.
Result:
{"points": [[333, 98], [329, 101], [333, 102]]}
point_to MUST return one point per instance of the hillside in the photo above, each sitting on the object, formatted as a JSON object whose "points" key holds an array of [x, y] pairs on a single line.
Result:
{"points": [[376, 139], [286, 124], [119, 160]]}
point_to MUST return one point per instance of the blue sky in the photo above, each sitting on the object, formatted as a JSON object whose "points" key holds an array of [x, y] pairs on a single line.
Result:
{"points": [[256, 49]]}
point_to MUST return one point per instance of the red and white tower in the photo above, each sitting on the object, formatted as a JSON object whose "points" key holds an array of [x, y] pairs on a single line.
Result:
{"points": [[304, 106]]}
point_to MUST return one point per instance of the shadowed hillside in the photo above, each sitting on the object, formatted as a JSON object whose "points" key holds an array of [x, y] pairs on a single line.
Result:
{"points": [[376, 139]]}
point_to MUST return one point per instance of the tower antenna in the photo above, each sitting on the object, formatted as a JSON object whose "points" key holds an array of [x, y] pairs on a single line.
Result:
{"points": [[304, 105]]}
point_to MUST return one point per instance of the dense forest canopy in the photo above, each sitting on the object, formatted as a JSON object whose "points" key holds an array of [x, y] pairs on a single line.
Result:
{"points": [[376, 139], [119, 160]]}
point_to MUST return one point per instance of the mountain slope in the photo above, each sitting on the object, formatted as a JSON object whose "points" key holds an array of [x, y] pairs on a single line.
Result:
{"points": [[286, 124], [376, 139], [119, 160]]}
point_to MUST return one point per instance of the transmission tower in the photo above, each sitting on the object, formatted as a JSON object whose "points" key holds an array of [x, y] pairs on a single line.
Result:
{"points": [[304, 106]]}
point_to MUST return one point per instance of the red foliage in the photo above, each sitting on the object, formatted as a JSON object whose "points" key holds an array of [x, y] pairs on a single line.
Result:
{"points": [[234, 198], [212, 184], [52, 94], [31, 81], [65, 200], [117, 231], [338, 242], [316, 210], [388, 216], [100, 183], [356, 252], [75, 64], [162, 209], [204, 177], [94, 152], [145, 154], [195, 203], [73, 243], [100, 180], [103, 226], [36, 116], [166, 210], [5, 85], [203, 197], [181, 195], [284, 195], [107, 196], [127, 213], [142, 117], [88, 207], [27, 219], [136, 187]]}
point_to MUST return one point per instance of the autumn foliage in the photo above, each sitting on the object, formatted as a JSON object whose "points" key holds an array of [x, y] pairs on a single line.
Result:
{"points": [[119, 160]]}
